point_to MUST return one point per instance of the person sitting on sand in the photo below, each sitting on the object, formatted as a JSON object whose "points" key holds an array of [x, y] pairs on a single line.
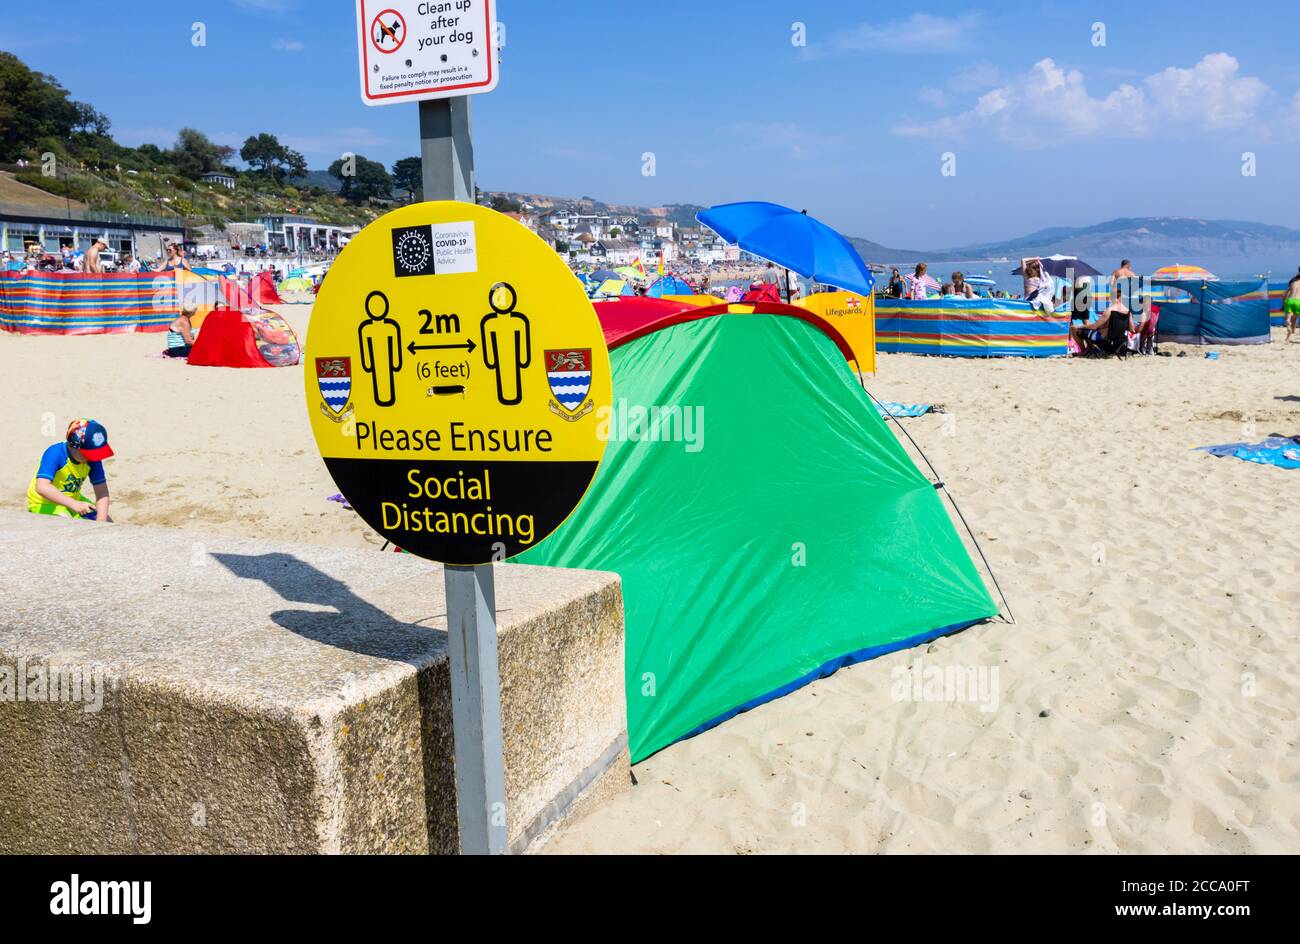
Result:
{"points": [[1097, 331], [55, 489], [1081, 299], [960, 287], [946, 291], [1291, 304], [181, 333]]}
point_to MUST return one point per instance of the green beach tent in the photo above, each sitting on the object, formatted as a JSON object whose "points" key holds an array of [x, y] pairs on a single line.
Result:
{"points": [[768, 527]]}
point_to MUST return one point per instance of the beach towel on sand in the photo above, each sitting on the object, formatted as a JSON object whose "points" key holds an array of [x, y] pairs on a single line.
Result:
{"points": [[1281, 451], [887, 407]]}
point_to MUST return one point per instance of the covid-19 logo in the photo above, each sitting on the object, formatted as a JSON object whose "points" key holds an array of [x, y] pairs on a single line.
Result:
{"points": [[412, 251]]}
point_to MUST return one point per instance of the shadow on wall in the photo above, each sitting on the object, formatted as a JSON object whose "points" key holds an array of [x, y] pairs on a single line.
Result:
{"points": [[359, 626]]}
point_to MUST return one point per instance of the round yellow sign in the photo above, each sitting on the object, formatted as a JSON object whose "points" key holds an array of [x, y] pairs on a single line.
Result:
{"points": [[455, 374]]}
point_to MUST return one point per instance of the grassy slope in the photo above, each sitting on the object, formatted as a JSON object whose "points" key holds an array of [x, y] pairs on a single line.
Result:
{"points": [[169, 195]]}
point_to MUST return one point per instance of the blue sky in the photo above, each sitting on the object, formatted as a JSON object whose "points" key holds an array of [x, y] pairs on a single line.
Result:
{"points": [[1047, 128]]}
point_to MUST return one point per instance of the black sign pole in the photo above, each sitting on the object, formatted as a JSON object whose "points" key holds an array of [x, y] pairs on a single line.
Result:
{"points": [[447, 162]]}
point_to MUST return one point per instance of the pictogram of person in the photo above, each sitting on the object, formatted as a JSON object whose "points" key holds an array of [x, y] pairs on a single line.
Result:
{"points": [[507, 342], [381, 348]]}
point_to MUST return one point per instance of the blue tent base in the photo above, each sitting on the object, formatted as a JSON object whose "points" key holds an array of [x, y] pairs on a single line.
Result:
{"points": [[1202, 339], [1214, 312], [827, 668]]}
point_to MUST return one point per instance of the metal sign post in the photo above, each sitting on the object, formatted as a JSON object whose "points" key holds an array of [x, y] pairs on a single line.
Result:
{"points": [[447, 164], [476, 708], [446, 149], [405, 54]]}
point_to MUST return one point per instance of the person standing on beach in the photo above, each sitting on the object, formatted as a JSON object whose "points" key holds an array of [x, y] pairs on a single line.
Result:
{"points": [[896, 285], [1038, 284], [1291, 304], [918, 283], [175, 259], [91, 263]]}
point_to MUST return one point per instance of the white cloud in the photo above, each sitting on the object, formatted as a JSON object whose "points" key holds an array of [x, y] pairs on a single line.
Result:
{"points": [[974, 77], [1051, 105], [287, 45], [1211, 92], [920, 32]]}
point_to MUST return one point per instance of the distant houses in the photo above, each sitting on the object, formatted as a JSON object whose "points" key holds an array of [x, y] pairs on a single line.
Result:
{"points": [[218, 179], [582, 235]]}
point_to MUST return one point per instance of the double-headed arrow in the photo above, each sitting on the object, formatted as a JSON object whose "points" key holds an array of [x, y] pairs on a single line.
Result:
{"points": [[467, 345]]}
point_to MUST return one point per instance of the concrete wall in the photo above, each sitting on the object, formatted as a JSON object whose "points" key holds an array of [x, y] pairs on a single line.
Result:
{"points": [[272, 698]]}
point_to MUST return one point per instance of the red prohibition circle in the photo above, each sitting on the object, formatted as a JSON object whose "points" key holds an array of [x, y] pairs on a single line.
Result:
{"points": [[377, 25]]}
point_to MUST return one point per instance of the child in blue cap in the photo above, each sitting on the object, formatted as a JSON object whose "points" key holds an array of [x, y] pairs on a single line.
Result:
{"points": [[64, 466]]}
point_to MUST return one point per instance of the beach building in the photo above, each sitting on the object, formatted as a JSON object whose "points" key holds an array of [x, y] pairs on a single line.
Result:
{"points": [[291, 233], [218, 179], [576, 223], [616, 252], [136, 233], [237, 237]]}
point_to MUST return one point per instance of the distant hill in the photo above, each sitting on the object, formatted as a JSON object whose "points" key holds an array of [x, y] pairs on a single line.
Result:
{"points": [[1172, 237], [1168, 237]]}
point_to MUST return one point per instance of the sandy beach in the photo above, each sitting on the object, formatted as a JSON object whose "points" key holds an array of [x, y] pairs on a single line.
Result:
{"points": [[1145, 699]]}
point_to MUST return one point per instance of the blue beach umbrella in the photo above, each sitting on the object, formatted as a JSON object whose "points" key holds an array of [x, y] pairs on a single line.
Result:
{"points": [[791, 239]]}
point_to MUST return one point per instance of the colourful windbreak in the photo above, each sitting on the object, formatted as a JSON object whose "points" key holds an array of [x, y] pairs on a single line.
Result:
{"points": [[767, 526], [81, 303], [975, 327], [1276, 291]]}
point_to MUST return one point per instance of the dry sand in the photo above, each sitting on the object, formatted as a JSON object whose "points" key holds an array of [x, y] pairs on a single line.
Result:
{"points": [[1146, 699]]}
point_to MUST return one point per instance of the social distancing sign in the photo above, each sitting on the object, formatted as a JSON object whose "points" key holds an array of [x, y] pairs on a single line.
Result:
{"points": [[455, 373]]}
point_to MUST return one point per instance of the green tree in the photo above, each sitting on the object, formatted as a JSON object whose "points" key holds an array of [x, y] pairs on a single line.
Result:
{"points": [[367, 179], [195, 154], [408, 175], [33, 106], [265, 154], [86, 120]]}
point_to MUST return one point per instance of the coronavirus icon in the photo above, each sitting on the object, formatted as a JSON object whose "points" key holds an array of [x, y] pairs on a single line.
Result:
{"points": [[412, 251]]}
